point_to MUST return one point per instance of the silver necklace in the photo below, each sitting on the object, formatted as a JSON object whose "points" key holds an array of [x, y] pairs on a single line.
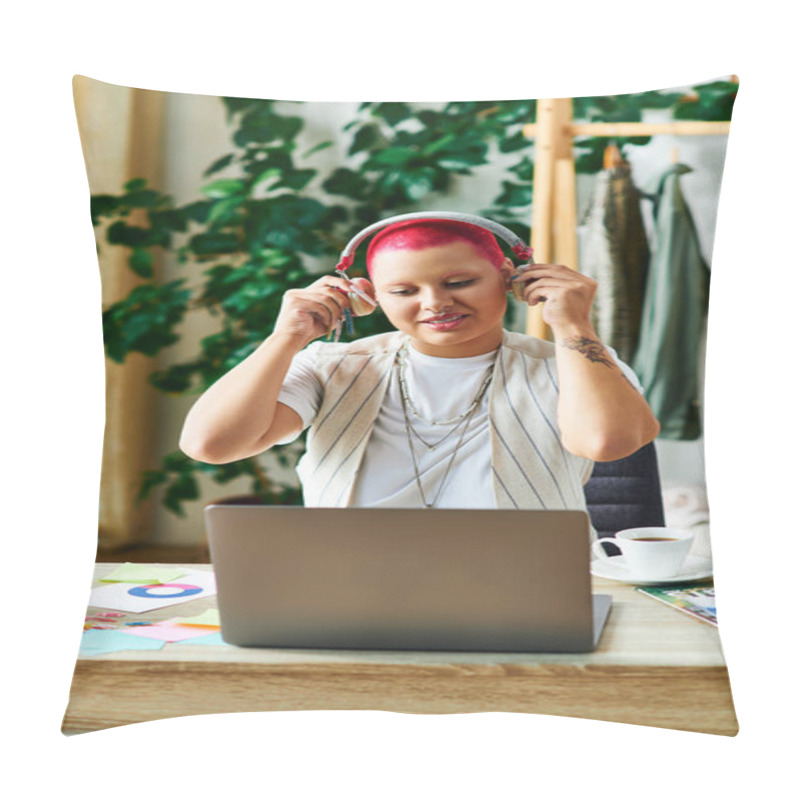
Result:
{"points": [[402, 361], [464, 418]]}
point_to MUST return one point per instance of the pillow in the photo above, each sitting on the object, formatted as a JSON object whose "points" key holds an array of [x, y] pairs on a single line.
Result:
{"points": [[208, 209]]}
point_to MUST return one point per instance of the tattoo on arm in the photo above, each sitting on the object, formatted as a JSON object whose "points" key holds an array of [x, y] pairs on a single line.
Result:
{"points": [[590, 348]]}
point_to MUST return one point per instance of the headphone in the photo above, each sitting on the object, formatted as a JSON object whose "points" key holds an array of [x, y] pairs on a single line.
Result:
{"points": [[518, 247]]}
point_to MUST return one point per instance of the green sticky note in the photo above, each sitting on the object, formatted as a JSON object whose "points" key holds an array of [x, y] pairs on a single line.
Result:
{"points": [[143, 573], [209, 618]]}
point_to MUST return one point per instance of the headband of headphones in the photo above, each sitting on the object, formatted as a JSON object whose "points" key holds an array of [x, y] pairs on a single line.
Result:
{"points": [[518, 247]]}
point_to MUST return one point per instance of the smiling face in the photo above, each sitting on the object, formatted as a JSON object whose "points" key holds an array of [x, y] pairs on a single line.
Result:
{"points": [[449, 299]]}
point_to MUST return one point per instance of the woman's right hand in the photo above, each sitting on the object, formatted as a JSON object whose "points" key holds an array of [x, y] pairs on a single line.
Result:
{"points": [[314, 311]]}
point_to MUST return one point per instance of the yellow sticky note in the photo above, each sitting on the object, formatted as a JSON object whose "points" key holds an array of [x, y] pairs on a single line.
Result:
{"points": [[209, 618], [143, 573]]}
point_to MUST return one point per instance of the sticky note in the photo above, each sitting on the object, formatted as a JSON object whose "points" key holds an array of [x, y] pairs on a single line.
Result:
{"points": [[169, 631], [211, 639], [209, 618], [96, 642], [143, 573]]}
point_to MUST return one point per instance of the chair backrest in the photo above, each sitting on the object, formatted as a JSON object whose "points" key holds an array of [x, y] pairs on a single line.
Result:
{"points": [[625, 493]]}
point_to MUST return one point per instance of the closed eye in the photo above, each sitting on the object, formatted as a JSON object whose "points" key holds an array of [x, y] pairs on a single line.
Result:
{"points": [[402, 292], [458, 284]]}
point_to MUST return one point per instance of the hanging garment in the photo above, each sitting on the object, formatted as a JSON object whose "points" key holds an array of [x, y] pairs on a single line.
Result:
{"points": [[675, 310], [615, 254]]}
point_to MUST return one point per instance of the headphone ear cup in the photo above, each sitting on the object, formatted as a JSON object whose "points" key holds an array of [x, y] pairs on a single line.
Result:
{"points": [[362, 297], [517, 286]]}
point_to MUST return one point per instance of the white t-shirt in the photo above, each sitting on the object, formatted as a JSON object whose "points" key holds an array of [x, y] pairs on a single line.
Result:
{"points": [[441, 389]]}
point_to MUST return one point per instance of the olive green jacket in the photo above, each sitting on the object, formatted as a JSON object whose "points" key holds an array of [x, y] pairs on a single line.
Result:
{"points": [[674, 314]]}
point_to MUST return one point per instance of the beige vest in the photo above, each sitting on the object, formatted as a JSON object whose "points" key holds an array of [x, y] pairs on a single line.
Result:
{"points": [[531, 468]]}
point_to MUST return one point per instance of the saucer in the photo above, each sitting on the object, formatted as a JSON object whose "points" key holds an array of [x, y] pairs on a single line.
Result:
{"points": [[694, 568]]}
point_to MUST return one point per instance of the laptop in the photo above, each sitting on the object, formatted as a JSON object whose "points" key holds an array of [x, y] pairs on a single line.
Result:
{"points": [[404, 579]]}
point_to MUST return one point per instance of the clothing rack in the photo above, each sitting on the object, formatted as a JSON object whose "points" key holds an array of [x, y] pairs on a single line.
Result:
{"points": [[554, 230]]}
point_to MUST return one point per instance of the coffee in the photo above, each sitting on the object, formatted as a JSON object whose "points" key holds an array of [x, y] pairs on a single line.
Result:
{"points": [[656, 553], [655, 539]]}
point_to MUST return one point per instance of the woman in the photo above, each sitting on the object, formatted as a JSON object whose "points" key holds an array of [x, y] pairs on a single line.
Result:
{"points": [[450, 410]]}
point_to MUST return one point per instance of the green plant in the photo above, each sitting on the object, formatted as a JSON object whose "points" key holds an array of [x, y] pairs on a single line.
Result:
{"points": [[250, 237]]}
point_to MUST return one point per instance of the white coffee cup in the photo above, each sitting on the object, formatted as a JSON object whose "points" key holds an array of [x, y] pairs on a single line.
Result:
{"points": [[649, 553]]}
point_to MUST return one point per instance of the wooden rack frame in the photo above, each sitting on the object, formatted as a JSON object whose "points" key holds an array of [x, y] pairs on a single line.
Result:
{"points": [[554, 225]]}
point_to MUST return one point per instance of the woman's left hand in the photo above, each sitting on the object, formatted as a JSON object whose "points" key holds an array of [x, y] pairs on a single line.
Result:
{"points": [[601, 416], [567, 295]]}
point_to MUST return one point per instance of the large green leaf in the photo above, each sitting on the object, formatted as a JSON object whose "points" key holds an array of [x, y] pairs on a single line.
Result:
{"points": [[364, 139], [516, 195], [260, 125], [225, 210], [214, 243], [226, 187], [144, 198], [298, 179], [316, 148], [439, 143], [129, 235], [519, 141], [346, 182], [141, 262], [103, 205], [135, 184], [392, 156], [393, 113], [220, 164]]}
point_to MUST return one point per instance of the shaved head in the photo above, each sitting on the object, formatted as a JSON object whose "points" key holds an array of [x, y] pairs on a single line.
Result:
{"points": [[421, 234]]}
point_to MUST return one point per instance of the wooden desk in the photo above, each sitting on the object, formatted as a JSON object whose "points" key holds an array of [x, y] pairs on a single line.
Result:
{"points": [[654, 666]]}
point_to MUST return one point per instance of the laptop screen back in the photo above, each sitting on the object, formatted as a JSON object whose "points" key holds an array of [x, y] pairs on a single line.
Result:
{"points": [[420, 579]]}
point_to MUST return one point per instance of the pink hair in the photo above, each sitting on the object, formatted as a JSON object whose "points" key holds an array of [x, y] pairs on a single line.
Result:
{"points": [[419, 234]]}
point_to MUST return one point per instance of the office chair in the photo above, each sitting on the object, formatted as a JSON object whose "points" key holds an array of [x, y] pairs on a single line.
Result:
{"points": [[625, 494]]}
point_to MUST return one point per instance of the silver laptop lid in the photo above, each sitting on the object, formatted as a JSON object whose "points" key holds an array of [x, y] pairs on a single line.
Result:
{"points": [[418, 579]]}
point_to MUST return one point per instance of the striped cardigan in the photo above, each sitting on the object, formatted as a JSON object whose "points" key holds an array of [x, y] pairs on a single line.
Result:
{"points": [[530, 466]]}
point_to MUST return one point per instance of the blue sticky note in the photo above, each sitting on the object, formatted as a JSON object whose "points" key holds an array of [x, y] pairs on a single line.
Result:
{"points": [[212, 638], [96, 642]]}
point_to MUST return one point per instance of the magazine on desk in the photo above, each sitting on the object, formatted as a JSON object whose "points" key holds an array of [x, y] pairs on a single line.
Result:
{"points": [[697, 601]]}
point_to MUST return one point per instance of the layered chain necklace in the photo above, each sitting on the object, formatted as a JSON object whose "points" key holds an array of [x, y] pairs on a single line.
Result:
{"points": [[459, 422]]}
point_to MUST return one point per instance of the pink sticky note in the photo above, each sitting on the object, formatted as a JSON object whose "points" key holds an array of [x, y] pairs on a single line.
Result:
{"points": [[168, 631]]}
